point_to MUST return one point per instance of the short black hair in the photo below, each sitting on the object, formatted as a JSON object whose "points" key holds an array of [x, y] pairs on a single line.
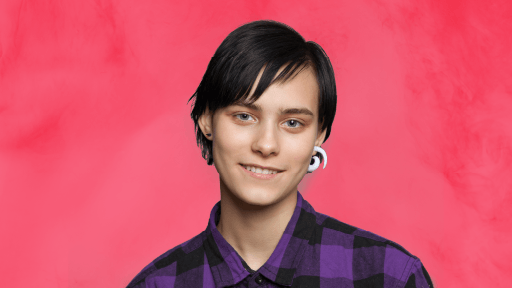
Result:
{"points": [[234, 67]]}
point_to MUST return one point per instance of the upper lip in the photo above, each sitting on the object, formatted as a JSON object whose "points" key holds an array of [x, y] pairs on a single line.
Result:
{"points": [[262, 167]]}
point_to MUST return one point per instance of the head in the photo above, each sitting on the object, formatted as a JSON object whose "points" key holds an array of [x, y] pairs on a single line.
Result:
{"points": [[267, 98]]}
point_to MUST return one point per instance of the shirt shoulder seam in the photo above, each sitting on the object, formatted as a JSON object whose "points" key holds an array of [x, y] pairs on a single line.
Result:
{"points": [[407, 274]]}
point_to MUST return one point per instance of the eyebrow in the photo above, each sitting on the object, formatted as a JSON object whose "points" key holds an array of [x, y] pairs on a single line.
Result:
{"points": [[287, 111]]}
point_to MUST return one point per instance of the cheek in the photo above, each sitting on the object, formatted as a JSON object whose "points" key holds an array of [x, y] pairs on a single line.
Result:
{"points": [[300, 157], [300, 154], [303, 159], [229, 141]]}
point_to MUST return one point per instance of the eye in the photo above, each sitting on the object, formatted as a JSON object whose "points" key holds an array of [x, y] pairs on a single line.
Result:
{"points": [[294, 123], [243, 116]]}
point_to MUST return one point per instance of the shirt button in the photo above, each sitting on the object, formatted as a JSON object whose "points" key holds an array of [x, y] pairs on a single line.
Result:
{"points": [[258, 279]]}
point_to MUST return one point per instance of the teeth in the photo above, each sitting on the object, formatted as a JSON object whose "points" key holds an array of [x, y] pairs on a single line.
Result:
{"points": [[259, 170]]}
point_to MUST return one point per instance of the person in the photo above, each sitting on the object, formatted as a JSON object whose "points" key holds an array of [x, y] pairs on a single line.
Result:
{"points": [[262, 110]]}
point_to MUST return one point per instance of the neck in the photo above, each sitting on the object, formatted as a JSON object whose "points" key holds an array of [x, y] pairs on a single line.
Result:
{"points": [[254, 231]]}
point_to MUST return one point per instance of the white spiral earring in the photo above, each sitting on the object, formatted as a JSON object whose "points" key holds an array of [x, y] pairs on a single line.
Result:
{"points": [[316, 160]]}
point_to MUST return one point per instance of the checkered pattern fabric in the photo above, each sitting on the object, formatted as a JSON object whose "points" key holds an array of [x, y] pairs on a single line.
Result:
{"points": [[314, 251]]}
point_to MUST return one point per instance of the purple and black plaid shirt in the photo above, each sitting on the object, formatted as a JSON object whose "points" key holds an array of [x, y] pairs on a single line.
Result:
{"points": [[314, 251]]}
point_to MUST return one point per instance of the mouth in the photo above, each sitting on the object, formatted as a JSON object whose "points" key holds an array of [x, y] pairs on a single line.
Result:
{"points": [[260, 170]]}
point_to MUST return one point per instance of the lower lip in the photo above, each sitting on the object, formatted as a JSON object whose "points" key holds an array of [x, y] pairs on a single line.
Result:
{"points": [[260, 176]]}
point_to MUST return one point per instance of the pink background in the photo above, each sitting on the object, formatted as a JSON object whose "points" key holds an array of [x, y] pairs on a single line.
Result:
{"points": [[100, 172]]}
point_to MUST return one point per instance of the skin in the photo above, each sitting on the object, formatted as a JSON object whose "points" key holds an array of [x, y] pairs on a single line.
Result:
{"points": [[255, 212]]}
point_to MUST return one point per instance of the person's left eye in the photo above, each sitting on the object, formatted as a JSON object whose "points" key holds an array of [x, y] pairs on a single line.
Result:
{"points": [[294, 123]]}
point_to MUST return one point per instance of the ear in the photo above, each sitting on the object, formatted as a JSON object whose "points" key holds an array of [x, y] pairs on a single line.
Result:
{"points": [[319, 140], [205, 124]]}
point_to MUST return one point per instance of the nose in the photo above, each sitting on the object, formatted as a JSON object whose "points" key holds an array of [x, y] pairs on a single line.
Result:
{"points": [[266, 142]]}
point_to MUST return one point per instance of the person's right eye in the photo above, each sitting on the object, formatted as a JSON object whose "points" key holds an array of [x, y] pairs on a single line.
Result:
{"points": [[243, 116]]}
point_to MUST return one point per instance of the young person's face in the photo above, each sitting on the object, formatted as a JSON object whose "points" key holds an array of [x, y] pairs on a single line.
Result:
{"points": [[248, 136]]}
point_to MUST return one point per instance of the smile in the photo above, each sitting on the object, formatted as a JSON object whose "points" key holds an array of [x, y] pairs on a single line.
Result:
{"points": [[260, 173]]}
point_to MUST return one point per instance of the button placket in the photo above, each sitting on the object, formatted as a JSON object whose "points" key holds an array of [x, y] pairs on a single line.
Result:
{"points": [[258, 279]]}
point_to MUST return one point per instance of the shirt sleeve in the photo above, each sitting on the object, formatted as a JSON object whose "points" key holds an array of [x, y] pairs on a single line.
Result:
{"points": [[419, 277]]}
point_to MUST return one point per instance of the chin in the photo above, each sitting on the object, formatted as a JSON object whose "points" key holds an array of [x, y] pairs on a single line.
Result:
{"points": [[259, 197]]}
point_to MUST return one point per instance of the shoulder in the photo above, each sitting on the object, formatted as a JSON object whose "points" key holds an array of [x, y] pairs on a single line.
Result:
{"points": [[373, 258], [357, 237], [166, 265]]}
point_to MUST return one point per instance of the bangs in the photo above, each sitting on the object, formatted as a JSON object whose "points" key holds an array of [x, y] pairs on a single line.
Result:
{"points": [[268, 77]]}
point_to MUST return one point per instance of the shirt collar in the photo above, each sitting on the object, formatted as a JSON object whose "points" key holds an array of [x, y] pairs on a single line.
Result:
{"points": [[226, 265]]}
